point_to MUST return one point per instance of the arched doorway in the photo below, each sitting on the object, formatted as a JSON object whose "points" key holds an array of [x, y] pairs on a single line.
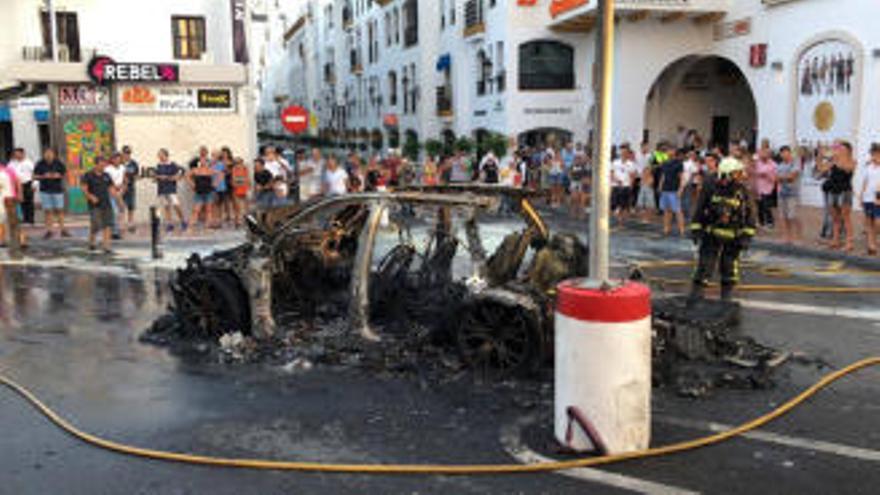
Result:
{"points": [[706, 94]]}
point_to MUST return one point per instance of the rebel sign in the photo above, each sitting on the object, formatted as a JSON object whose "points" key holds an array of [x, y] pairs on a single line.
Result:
{"points": [[295, 119]]}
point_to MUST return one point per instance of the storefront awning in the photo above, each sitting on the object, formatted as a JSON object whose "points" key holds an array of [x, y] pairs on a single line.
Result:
{"points": [[5, 115], [444, 62]]}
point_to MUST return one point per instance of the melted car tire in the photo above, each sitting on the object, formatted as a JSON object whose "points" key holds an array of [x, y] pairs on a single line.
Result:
{"points": [[212, 303], [499, 340]]}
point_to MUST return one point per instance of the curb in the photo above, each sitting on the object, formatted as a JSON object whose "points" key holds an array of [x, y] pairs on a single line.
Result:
{"points": [[865, 262]]}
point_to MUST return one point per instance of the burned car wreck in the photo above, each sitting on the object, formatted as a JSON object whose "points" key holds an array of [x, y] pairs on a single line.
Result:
{"points": [[384, 261]]}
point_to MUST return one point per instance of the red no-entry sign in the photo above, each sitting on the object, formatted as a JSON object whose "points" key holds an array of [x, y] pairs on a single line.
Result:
{"points": [[295, 119]]}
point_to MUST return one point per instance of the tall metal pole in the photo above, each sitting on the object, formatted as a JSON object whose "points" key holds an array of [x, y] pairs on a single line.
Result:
{"points": [[601, 208], [53, 29]]}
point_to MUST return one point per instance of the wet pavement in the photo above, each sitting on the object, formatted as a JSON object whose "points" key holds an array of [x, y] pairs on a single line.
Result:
{"points": [[69, 328]]}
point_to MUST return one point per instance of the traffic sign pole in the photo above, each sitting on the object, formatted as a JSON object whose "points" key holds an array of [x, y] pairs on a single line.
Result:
{"points": [[601, 207]]}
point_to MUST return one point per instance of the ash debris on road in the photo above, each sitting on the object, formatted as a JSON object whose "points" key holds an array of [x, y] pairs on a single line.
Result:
{"points": [[696, 351], [700, 348]]}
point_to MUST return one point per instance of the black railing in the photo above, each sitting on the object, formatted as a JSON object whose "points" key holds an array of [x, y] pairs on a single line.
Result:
{"points": [[473, 14], [501, 81], [444, 100], [329, 73], [355, 61], [411, 36]]}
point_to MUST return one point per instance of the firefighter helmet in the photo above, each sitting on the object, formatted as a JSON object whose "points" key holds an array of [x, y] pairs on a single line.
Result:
{"points": [[729, 166]]}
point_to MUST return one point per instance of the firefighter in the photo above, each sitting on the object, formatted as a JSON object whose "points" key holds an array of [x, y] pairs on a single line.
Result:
{"points": [[723, 225]]}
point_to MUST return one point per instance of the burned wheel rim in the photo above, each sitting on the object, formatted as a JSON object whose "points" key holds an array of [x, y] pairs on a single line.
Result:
{"points": [[498, 341], [211, 303]]}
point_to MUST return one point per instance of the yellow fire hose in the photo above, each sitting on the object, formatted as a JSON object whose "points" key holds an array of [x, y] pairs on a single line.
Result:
{"points": [[768, 271], [428, 469]]}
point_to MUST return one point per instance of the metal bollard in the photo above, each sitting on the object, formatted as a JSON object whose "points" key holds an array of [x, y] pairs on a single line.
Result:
{"points": [[155, 232]]}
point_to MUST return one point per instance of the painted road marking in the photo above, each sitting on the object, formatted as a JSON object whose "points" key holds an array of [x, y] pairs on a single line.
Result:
{"points": [[859, 314], [763, 436], [510, 439]]}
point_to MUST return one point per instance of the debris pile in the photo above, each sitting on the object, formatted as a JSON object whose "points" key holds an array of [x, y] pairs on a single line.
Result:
{"points": [[699, 348]]}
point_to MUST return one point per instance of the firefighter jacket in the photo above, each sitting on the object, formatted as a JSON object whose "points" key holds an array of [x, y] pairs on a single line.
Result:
{"points": [[725, 210]]}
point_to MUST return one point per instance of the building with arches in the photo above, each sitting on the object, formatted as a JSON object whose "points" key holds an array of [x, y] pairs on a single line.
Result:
{"points": [[732, 70], [795, 72]]}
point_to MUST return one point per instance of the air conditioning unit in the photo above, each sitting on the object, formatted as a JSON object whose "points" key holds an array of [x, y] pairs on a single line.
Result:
{"points": [[207, 57]]}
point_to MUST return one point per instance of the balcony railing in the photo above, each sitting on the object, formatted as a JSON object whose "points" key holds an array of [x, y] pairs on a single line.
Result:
{"points": [[65, 54], [411, 36], [355, 62], [347, 17], [474, 22], [329, 74], [444, 101], [501, 81]]}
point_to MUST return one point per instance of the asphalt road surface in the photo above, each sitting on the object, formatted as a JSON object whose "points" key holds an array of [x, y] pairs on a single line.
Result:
{"points": [[68, 331]]}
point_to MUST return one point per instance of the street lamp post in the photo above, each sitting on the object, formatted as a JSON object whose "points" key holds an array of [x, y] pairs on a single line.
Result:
{"points": [[601, 188]]}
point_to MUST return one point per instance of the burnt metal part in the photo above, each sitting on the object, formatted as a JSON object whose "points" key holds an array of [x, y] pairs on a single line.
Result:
{"points": [[502, 333], [305, 258], [699, 348]]}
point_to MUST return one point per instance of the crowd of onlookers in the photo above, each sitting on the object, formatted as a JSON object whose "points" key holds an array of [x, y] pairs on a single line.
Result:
{"points": [[645, 182]]}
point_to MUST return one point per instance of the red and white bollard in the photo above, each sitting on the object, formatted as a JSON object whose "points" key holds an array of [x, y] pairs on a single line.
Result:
{"points": [[603, 368]]}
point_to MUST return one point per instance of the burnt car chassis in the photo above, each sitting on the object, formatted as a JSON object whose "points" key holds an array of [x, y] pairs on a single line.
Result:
{"points": [[500, 317]]}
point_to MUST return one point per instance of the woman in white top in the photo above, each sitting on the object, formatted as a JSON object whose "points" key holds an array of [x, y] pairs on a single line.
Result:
{"points": [[870, 194]]}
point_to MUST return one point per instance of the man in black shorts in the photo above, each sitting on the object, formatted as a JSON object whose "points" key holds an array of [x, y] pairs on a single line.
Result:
{"points": [[98, 188], [129, 194]]}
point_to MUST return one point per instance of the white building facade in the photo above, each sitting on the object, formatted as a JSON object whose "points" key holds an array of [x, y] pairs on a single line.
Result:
{"points": [[375, 73], [796, 72], [792, 72], [176, 77]]}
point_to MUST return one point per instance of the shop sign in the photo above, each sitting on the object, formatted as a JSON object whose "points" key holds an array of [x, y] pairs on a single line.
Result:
{"points": [[104, 70], [148, 99], [758, 55], [547, 111], [733, 29], [217, 99], [83, 98], [239, 38]]}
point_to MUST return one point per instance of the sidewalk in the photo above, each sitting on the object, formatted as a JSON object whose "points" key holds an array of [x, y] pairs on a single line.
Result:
{"points": [[78, 226], [810, 245]]}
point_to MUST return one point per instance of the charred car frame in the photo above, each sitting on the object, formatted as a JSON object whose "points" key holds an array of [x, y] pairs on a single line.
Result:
{"points": [[498, 311]]}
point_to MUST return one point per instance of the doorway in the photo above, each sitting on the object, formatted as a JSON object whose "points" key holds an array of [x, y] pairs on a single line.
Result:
{"points": [[708, 95]]}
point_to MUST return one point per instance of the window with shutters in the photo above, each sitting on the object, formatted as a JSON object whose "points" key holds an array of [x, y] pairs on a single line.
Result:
{"points": [[189, 37]]}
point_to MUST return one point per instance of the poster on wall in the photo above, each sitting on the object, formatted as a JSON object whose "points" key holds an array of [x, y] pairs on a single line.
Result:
{"points": [[84, 139], [83, 98], [827, 106], [151, 99]]}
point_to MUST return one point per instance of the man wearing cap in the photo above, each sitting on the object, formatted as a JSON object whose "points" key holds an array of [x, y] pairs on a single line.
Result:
{"points": [[723, 225]]}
